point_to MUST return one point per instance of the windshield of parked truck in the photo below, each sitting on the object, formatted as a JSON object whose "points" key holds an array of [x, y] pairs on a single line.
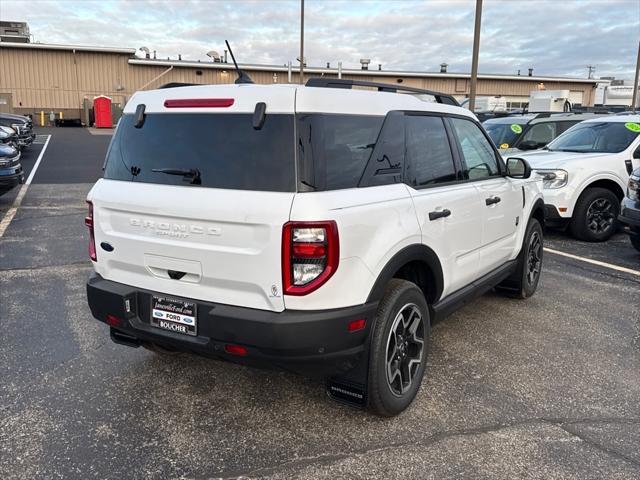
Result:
{"points": [[602, 137], [504, 135]]}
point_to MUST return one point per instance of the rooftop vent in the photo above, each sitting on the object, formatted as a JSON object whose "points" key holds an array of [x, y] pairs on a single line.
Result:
{"points": [[17, 32], [443, 67], [531, 72], [364, 62], [215, 56]]}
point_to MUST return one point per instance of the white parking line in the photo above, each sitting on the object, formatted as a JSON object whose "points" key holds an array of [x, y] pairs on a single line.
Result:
{"points": [[23, 190], [594, 262], [37, 164]]}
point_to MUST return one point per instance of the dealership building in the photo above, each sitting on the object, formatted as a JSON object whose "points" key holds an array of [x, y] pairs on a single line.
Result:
{"points": [[37, 77]]}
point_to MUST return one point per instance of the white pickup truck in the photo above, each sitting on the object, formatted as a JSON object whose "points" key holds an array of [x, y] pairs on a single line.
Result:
{"points": [[585, 172]]}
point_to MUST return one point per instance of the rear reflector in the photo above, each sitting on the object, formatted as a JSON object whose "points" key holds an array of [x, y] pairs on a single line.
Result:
{"points": [[199, 103], [113, 320], [356, 325], [238, 350]]}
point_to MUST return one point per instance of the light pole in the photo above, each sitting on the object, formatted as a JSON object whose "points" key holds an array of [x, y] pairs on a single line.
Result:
{"points": [[474, 59], [634, 101], [301, 42]]}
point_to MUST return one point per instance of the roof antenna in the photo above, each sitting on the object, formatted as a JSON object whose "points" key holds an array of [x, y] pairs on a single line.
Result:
{"points": [[242, 76]]}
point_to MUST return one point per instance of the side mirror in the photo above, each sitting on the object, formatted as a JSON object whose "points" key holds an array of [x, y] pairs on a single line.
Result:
{"points": [[636, 154], [518, 168]]}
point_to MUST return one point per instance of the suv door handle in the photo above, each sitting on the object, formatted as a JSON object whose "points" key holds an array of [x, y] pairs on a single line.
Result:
{"points": [[439, 214], [492, 200]]}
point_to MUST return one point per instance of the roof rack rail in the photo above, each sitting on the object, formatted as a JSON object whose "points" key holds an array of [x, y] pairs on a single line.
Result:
{"points": [[178, 84], [324, 82], [551, 114]]}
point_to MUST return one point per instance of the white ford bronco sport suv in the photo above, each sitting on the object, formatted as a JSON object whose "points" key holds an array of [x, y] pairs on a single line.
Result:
{"points": [[585, 171], [319, 228]]}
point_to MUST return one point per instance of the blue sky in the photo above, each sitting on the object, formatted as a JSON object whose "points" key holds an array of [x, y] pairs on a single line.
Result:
{"points": [[555, 37]]}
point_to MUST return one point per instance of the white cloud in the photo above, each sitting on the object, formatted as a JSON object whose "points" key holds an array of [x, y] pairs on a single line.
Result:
{"points": [[554, 37]]}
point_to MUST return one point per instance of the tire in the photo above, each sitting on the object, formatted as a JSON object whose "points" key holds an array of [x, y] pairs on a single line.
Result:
{"points": [[635, 241], [595, 216], [524, 282], [402, 307]]}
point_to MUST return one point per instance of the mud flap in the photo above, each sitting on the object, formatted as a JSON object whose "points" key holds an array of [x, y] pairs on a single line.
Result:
{"points": [[350, 387]]}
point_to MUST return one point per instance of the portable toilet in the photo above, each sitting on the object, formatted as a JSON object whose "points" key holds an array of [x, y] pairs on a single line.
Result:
{"points": [[102, 112]]}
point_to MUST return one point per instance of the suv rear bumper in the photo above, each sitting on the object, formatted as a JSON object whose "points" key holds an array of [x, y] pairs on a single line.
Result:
{"points": [[315, 343]]}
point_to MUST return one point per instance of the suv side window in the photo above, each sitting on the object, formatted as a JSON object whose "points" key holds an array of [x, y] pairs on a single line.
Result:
{"points": [[477, 153], [564, 126], [386, 163], [333, 149], [540, 133], [428, 152]]}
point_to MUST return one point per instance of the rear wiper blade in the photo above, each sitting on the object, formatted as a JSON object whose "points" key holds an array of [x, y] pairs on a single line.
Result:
{"points": [[192, 173]]}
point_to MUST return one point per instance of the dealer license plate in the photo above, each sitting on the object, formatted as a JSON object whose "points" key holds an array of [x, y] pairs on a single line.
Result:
{"points": [[174, 315]]}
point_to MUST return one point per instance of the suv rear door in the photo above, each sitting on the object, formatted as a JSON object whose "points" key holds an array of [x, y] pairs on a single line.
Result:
{"points": [[219, 240]]}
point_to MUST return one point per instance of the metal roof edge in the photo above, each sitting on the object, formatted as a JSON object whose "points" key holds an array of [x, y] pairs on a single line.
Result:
{"points": [[334, 71], [79, 48]]}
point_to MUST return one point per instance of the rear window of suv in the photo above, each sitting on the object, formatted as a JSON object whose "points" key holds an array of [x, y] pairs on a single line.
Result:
{"points": [[225, 149]]}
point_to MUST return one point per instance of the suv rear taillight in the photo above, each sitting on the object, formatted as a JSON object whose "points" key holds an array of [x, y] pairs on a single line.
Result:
{"points": [[88, 221], [310, 254]]}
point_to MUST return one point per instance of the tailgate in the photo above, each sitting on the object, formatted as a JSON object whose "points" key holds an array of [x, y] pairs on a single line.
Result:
{"points": [[216, 245]]}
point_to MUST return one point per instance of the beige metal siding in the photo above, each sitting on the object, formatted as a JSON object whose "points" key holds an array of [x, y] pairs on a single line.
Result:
{"points": [[60, 80], [51, 79]]}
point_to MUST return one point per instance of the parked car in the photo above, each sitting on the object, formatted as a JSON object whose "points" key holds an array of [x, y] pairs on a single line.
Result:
{"points": [[585, 172], [8, 136], [630, 210], [11, 173], [311, 228], [23, 127], [533, 131]]}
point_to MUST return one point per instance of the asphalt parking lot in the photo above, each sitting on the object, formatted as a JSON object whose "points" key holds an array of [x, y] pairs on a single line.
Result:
{"points": [[543, 388]]}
